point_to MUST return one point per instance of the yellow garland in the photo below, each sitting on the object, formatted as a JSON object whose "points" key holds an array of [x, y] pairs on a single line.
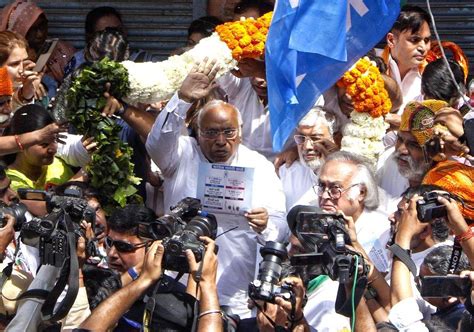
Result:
{"points": [[246, 39], [365, 85]]}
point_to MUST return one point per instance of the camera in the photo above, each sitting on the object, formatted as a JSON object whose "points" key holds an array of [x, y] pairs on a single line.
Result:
{"points": [[17, 210], [180, 230], [50, 233], [266, 287], [324, 237], [428, 208], [178, 217]]}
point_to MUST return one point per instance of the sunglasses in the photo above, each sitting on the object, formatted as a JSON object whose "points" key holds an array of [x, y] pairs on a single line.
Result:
{"points": [[122, 246]]}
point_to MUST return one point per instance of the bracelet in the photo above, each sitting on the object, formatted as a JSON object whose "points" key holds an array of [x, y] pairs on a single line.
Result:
{"points": [[208, 312], [20, 146], [465, 236]]}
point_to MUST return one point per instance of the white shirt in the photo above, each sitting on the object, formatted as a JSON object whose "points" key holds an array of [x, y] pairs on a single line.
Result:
{"points": [[373, 233], [410, 86], [388, 175], [179, 157], [297, 180], [320, 311]]}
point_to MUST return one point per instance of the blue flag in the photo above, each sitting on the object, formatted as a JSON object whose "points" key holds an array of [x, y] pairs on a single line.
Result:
{"points": [[311, 43]]}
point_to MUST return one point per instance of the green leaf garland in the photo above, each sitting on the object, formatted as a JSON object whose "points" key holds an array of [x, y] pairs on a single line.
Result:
{"points": [[110, 169]]}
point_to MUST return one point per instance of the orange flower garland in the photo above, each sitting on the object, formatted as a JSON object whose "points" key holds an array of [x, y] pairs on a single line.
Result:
{"points": [[365, 85], [246, 39]]}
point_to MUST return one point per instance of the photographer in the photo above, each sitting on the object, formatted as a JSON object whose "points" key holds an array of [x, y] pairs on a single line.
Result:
{"points": [[405, 312], [108, 313], [283, 313]]}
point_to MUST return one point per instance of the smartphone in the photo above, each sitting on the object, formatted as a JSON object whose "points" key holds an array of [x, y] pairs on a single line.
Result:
{"points": [[445, 286], [45, 53]]}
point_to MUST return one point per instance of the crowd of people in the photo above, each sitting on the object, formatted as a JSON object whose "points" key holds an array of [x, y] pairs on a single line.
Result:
{"points": [[384, 232]]}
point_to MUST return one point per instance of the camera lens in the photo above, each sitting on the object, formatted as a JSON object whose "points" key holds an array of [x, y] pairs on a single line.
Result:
{"points": [[270, 268], [162, 227], [203, 226]]}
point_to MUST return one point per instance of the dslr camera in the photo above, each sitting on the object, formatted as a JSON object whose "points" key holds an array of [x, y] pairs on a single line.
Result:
{"points": [[324, 237], [180, 230], [50, 233], [428, 208], [266, 287], [17, 210]]}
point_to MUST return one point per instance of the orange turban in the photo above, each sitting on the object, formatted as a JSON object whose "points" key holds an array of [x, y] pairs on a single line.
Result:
{"points": [[418, 118], [457, 179], [6, 86]]}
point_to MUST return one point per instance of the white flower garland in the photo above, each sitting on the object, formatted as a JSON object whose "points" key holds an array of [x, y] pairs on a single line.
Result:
{"points": [[363, 136], [152, 82]]}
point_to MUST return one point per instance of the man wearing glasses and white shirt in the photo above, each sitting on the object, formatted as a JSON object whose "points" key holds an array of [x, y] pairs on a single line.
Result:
{"points": [[346, 183], [314, 139]]}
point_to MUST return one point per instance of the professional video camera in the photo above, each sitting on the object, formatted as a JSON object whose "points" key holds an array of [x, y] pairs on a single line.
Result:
{"points": [[180, 230], [324, 237], [17, 210], [429, 208], [52, 233], [266, 287]]}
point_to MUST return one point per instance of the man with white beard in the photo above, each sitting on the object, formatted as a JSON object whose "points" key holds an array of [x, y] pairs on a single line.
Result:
{"points": [[405, 165], [314, 140]]}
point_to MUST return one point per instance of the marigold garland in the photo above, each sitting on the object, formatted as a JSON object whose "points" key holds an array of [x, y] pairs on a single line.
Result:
{"points": [[246, 38], [365, 85]]}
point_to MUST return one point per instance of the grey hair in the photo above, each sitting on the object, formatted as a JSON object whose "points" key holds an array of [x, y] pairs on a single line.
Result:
{"points": [[318, 113], [364, 176], [214, 104], [437, 261]]}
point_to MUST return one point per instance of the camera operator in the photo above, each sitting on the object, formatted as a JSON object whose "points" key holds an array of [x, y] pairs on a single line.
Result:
{"points": [[347, 184]]}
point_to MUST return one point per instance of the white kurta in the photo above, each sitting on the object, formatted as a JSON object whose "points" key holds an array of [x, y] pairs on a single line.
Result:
{"points": [[298, 181], [179, 157], [373, 233]]}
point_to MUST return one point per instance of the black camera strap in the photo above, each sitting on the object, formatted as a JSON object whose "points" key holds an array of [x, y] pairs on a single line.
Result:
{"points": [[455, 257], [69, 277]]}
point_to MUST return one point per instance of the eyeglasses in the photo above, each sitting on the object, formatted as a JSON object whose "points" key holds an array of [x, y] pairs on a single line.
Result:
{"points": [[301, 139], [122, 246], [229, 133], [334, 191]]}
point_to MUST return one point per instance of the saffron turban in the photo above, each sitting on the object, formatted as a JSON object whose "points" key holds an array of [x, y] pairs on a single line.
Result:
{"points": [[457, 179]]}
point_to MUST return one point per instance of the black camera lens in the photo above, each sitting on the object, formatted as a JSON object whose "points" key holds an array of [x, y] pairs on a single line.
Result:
{"points": [[162, 227], [270, 268], [203, 226]]}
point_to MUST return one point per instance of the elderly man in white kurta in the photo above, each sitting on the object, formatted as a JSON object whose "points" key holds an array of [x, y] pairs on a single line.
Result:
{"points": [[218, 143]]}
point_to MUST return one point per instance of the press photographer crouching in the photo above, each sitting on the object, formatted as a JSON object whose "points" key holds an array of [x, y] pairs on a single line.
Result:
{"points": [[327, 267], [185, 248]]}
